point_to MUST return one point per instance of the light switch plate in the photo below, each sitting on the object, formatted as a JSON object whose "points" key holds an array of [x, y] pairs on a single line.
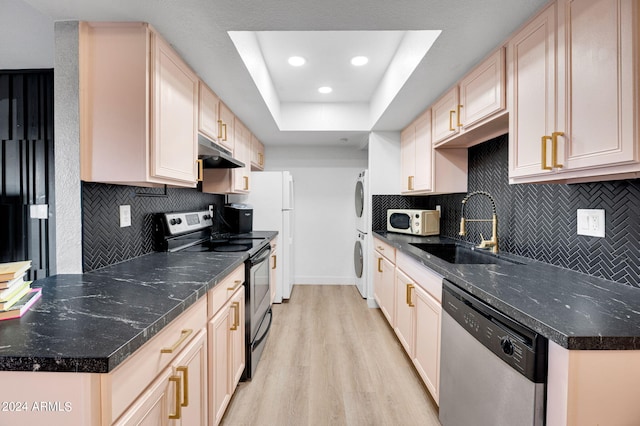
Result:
{"points": [[125, 216], [591, 222]]}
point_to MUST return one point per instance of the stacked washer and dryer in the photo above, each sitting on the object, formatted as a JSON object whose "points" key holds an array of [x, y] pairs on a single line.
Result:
{"points": [[363, 233]]}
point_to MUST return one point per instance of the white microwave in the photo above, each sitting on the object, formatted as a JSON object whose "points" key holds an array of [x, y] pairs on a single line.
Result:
{"points": [[414, 222]]}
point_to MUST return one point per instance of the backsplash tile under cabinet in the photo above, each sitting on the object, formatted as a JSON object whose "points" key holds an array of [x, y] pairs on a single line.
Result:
{"points": [[105, 243], [538, 221]]}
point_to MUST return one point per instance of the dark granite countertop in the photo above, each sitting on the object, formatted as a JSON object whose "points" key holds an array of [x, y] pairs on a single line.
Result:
{"points": [[92, 322], [574, 310]]}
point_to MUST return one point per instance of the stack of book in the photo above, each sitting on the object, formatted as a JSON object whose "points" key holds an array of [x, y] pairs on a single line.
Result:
{"points": [[16, 294]]}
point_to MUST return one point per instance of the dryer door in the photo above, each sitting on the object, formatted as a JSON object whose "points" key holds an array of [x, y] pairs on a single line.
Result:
{"points": [[359, 198], [358, 261]]}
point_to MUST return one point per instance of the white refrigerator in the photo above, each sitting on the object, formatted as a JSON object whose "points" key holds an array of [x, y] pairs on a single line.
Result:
{"points": [[271, 198]]}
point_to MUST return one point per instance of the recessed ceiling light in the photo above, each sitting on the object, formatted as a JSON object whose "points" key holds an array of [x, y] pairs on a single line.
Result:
{"points": [[297, 61], [325, 89], [358, 61]]}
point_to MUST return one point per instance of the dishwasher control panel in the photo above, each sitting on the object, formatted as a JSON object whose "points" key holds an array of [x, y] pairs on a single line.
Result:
{"points": [[521, 348]]}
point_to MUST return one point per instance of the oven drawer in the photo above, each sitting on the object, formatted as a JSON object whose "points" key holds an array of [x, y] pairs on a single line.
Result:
{"points": [[219, 295]]}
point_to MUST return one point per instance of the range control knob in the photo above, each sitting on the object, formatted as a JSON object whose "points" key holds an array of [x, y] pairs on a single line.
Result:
{"points": [[506, 345]]}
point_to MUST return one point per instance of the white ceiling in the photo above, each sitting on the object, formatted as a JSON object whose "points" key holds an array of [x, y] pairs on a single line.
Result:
{"points": [[199, 31]]}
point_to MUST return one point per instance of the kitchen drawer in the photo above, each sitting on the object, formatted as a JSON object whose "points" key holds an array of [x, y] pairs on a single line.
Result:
{"points": [[131, 377], [219, 295], [385, 249], [423, 276]]}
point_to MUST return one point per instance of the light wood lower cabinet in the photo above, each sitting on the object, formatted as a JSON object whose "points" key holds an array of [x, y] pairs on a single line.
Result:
{"points": [[179, 395], [273, 274], [383, 286], [417, 311], [227, 361], [426, 354]]}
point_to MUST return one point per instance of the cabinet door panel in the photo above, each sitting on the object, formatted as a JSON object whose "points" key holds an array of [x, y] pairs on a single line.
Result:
{"points": [[423, 156], [383, 286], [227, 119], [153, 406], [208, 112], [532, 94], [237, 339], [191, 366], [482, 92], [405, 311], [445, 116], [219, 350], [174, 146], [408, 158], [427, 344], [599, 82]]}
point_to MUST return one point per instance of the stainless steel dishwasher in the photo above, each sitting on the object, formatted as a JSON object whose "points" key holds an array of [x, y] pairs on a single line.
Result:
{"points": [[493, 370]]}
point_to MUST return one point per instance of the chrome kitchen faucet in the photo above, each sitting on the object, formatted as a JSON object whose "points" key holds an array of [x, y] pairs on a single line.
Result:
{"points": [[493, 242]]}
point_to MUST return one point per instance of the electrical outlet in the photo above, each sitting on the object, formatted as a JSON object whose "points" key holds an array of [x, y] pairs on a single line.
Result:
{"points": [[125, 216], [591, 222], [438, 208]]}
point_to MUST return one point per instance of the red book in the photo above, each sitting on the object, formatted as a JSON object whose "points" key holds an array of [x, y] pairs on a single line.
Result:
{"points": [[22, 305]]}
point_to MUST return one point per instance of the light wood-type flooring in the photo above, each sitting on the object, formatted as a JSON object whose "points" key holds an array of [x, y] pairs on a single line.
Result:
{"points": [[331, 360]]}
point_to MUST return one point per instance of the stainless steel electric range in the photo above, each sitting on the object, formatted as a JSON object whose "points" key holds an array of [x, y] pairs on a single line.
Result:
{"points": [[193, 232]]}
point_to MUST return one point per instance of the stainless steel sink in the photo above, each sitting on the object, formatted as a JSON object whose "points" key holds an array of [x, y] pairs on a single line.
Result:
{"points": [[454, 253]]}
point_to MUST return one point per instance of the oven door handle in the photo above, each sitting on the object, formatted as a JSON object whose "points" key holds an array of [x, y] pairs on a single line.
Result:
{"points": [[259, 340], [261, 256]]}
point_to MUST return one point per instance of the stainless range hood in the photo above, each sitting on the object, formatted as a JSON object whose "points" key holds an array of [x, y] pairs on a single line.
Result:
{"points": [[214, 156]]}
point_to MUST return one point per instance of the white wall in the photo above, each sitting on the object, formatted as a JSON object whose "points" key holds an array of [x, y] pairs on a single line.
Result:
{"points": [[325, 220], [384, 163], [26, 37]]}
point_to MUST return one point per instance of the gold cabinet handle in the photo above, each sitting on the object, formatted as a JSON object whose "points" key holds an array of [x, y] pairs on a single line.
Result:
{"points": [[544, 153], [177, 413], [379, 264], [451, 120], [200, 170], [409, 301], [183, 336], [380, 248], [185, 385], [260, 159], [458, 116], [224, 125], [275, 261], [554, 148], [410, 183], [236, 285], [246, 182], [236, 316], [219, 129]]}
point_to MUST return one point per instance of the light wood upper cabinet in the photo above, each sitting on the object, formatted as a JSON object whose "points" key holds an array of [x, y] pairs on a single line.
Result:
{"points": [[574, 112], [242, 175], [446, 116], [226, 123], [257, 154], [138, 108], [426, 170], [209, 105], [416, 155], [474, 110], [483, 91]]}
